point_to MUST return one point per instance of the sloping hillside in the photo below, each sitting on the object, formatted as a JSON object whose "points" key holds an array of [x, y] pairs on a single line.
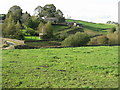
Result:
{"points": [[99, 27], [88, 27]]}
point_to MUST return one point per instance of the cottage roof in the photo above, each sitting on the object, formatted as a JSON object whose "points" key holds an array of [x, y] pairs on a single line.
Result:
{"points": [[51, 18]]}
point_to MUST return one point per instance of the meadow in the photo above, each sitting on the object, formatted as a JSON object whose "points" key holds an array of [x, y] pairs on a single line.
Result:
{"points": [[78, 67]]}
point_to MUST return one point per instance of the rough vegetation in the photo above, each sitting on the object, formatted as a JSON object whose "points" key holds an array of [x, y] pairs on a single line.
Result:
{"points": [[99, 40], [78, 39]]}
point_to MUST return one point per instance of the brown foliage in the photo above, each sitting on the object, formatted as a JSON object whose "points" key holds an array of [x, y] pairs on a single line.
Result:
{"points": [[99, 40]]}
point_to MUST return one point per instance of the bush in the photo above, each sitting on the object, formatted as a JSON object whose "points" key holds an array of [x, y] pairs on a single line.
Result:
{"points": [[19, 35], [63, 35], [99, 40], [113, 39], [114, 36], [30, 32], [76, 40]]}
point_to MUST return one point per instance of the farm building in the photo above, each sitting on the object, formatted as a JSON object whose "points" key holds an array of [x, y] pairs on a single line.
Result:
{"points": [[52, 19], [74, 24], [70, 23]]}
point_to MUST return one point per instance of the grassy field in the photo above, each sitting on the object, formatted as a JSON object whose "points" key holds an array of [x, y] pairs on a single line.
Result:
{"points": [[80, 67], [93, 26], [32, 38]]}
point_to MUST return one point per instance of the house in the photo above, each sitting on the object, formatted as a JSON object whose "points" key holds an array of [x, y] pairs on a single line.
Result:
{"points": [[74, 24], [52, 19], [78, 25], [70, 23]]}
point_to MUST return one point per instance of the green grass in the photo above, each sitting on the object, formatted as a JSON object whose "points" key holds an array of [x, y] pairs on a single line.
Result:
{"points": [[93, 26], [32, 38], [72, 29], [80, 67], [57, 28]]}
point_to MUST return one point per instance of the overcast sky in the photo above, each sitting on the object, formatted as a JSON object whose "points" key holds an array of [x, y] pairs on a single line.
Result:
{"points": [[99, 11]]}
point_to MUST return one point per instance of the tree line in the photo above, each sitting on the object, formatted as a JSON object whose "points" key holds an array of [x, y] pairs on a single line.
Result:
{"points": [[18, 24]]}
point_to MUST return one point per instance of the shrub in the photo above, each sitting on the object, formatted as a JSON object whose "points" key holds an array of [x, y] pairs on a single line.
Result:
{"points": [[113, 39], [63, 35], [114, 36], [102, 40], [76, 40], [99, 40], [30, 31], [19, 35]]}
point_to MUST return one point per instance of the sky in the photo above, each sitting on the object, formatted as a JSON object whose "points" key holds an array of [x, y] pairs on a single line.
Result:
{"points": [[98, 11]]}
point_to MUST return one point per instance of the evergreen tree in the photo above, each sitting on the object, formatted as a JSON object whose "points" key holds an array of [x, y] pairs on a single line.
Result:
{"points": [[9, 27]]}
